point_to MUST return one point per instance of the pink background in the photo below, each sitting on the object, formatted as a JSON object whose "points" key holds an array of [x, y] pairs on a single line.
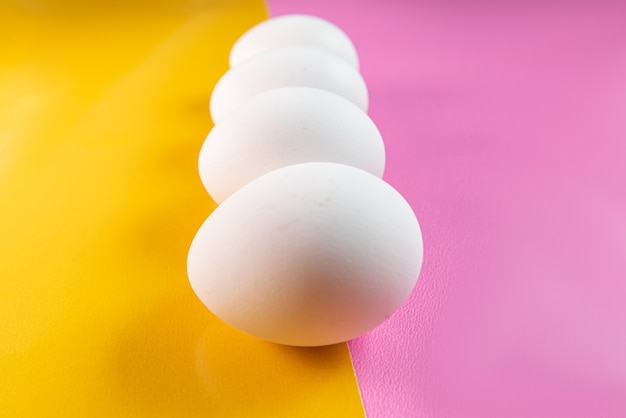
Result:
{"points": [[505, 126]]}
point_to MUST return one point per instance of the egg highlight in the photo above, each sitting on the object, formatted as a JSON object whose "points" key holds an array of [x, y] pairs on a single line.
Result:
{"points": [[290, 30], [293, 66], [287, 126], [306, 255]]}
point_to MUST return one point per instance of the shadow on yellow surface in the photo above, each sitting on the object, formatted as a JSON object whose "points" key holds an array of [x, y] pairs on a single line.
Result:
{"points": [[213, 363], [103, 108]]}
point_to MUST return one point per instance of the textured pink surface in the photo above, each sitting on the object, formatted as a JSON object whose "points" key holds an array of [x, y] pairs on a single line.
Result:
{"points": [[506, 130]]}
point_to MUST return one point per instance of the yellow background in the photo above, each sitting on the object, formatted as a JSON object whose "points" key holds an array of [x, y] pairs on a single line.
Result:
{"points": [[103, 108]]}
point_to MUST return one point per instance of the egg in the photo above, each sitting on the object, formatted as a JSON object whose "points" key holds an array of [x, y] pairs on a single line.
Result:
{"points": [[287, 67], [309, 254], [289, 30], [287, 126]]}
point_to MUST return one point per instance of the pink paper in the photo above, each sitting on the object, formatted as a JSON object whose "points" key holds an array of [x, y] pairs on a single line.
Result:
{"points": [[505, 127]]}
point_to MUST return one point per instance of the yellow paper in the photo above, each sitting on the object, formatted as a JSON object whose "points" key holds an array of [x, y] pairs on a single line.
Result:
{"points": [[103, 108]]}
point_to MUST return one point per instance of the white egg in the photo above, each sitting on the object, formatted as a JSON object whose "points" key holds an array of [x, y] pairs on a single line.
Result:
{"points": [[289, 30], [287, 126], [309, 254], [287, 67]]}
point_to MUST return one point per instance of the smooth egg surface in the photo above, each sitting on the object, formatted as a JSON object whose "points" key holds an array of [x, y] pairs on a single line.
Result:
{"points": [[309, 254], [289, 30], [287, 126], [292, 66]]}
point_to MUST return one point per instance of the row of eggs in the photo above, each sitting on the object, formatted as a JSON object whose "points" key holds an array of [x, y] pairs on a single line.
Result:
{"points": [[308, 246]]}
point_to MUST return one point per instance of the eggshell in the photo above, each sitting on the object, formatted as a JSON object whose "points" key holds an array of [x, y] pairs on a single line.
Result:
{"points": [[308, 254], [289, 30], [287, 126], [287, 67]]}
